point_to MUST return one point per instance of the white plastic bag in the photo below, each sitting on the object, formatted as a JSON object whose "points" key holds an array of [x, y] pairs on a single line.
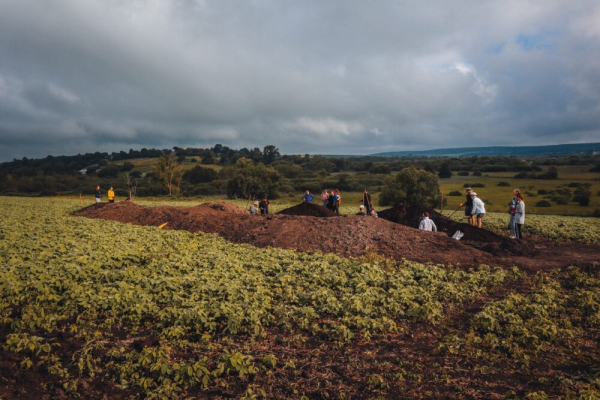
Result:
{"points": [[457, 235]]}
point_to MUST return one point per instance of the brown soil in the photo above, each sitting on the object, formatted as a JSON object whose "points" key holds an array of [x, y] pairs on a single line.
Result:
{"points": [[227, 207], [481, 239], [308, 209], [354, 236]]}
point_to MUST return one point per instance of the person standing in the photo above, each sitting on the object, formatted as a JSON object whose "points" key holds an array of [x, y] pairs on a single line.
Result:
{"points": [[325, 198], [468, 204], [512, 210], [97, 194], [519, 216], [264, 206], [111, 195], [331, 201], [426, 224], [308, 197], [366, 200], [337, 200], [478, 209]]}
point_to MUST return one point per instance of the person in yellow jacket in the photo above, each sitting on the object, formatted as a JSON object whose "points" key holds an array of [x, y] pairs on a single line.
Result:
{"points": [[111, 195]]}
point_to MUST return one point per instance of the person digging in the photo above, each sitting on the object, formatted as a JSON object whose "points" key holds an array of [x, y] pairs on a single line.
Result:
{"points": [[468, 205]]}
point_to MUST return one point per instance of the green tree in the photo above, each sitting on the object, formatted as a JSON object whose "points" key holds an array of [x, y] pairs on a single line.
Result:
{"points": [[250, 180], [445, 171], [168, 173], [410, 186], [270, 154]]}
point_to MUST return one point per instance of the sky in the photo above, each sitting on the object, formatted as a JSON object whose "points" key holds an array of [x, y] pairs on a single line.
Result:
{"points": [[318, 77]]}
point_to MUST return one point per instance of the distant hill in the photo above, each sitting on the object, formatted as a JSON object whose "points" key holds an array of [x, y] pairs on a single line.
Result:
{"points": [[559, 149]]}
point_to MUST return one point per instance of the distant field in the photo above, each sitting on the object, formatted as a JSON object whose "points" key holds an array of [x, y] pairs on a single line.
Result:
{"points": [[146, 164], [500, 196]]}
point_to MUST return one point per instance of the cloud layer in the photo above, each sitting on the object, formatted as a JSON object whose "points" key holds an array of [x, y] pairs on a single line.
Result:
{"points": [[345, 77]]}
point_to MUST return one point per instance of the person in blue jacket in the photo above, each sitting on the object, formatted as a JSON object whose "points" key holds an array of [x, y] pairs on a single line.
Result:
{"points": [[308, 197]]}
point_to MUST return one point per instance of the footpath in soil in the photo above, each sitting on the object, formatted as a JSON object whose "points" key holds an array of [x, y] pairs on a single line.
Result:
{"points": [[353, 235]]}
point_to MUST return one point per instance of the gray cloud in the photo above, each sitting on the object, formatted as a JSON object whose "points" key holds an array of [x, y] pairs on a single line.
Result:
{"points": [[311, 76]]}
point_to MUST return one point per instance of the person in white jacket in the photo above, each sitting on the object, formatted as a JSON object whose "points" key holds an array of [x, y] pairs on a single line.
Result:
{"points": [[426, 224], [519, 218], [478, 208]]}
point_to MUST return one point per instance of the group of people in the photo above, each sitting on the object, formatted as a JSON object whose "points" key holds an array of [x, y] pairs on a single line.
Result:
{"points": [[475, 209], [260, 207], [98, 195]]}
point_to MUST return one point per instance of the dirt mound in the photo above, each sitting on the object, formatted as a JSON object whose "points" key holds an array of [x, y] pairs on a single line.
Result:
{"points": [[481, 239], [227, 207], [309, 209], [354, 236], [347, 236]]}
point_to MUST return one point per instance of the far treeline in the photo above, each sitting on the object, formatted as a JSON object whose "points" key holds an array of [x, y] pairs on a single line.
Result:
{"points": [[246, 173]]}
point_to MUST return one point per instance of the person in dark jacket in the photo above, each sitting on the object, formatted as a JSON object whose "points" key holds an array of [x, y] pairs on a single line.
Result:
{"points": [[264, 206], [468, 204], [366, 200], [331, 201], [98, 194], [361, 210]]}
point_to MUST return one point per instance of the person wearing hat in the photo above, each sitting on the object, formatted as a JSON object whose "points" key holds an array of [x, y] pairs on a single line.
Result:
{"points": [[361, 210], [264, 206], [254, 208], [468, 205], [478, 209], [426, 224]]}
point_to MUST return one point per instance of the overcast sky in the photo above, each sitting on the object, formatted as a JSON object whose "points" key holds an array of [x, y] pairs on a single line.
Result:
{"points": [[319, 77]]}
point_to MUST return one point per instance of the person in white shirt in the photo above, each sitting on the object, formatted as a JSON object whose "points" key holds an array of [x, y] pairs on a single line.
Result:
{"points": [[427, 224], [478, 208]]}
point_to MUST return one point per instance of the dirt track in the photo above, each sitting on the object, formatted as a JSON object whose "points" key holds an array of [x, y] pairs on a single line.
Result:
{"points": [[350, 236]]}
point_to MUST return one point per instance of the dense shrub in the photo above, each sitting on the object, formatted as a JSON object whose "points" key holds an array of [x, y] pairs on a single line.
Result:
{"points": [[455, 193], [380, 169], [463, 173], [542, 191], [126, 166], [445, 171], [474, 185], [199, 174], [502, 183], [410, 186], [543, 203], [110, 171], [476, 173]]}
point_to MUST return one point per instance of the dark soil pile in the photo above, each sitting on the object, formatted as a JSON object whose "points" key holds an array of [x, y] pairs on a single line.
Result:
{"points": [[481, 239], [227, 207], [309, 209], [356, 235]]}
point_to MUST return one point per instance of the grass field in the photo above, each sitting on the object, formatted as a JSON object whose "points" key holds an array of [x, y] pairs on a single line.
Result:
{"points": [[500, 196]]}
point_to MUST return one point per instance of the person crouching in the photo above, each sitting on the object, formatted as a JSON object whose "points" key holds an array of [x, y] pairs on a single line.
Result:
{"points": [[426, 224]]}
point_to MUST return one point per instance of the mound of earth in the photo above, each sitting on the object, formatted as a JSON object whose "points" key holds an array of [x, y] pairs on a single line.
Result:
{"points": [[351, 236], [309, 209], [227, 207], [347, 236], [481, 239]]}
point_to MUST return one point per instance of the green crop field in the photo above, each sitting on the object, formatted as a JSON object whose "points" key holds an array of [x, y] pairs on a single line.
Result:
{"points": [[91, 308]]}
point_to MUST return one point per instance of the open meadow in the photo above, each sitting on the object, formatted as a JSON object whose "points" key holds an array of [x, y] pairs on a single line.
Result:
{"points": [[92, 308]]}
